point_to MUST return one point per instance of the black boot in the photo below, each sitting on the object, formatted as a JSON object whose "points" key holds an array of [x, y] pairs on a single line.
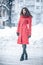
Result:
{"points": [[22, 57], [26, 56]]}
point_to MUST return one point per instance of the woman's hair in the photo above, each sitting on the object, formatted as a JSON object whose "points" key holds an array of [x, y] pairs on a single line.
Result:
{"points": [[27, 12]]}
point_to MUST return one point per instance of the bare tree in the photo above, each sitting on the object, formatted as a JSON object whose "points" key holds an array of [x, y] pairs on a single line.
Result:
{"points": [[10, 9]]}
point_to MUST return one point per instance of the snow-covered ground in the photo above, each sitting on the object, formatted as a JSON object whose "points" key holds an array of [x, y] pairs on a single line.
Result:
{"points": [[10, 51]]}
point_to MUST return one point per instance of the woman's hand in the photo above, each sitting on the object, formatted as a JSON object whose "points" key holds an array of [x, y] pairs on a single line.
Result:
{"points": [[17, 34], [29, 36]]}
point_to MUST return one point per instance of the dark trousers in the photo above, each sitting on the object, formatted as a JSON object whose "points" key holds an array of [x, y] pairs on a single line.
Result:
{"points": [[24, 49], [24, 54]]}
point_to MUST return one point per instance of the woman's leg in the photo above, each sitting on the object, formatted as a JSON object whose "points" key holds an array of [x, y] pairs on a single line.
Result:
{"points": [[24, 51], [22, 56], [24, 48]]}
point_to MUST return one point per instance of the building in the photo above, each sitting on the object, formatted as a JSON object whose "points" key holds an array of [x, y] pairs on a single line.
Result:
{"points": [[34, 6], [4, 16]]}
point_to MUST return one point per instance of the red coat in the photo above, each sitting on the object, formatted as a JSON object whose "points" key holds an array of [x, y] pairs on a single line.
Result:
{"points": [[24, 29]]}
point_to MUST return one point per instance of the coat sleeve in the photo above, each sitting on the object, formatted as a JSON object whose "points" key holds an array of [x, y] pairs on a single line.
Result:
{"points": [[18, 26], [29, 24]]}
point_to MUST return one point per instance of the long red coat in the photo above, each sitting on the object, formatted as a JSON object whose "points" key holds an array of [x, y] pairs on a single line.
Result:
{"points": [[24, 29]]}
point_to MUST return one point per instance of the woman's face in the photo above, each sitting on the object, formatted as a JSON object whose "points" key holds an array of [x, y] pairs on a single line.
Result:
{"points": [[24, 11]]}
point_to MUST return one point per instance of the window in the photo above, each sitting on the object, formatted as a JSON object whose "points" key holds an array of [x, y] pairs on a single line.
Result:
{"points": [[38, 0], [41, 0], [37, 7], [3, 12], [0, 11]]}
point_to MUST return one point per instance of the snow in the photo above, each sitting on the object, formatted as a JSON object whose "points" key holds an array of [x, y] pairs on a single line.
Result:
{"points": [[37, 32], [10, 51]]}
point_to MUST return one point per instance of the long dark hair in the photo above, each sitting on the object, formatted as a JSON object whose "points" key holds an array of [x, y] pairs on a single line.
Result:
{"points": [[27, 12]]}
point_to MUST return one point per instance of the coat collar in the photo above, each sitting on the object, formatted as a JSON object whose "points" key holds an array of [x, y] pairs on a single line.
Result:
{"points": [[23, 16]]}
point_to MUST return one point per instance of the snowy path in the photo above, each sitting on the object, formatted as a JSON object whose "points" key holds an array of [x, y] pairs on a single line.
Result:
{"points": [[15, 61], [10, 51]]}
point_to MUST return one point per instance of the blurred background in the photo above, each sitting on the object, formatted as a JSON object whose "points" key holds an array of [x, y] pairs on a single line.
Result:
{"points": [[10, 51], [10, 11]]}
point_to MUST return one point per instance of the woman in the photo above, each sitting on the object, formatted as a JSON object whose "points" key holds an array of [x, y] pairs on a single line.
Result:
{"points": [[24, 31]]}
